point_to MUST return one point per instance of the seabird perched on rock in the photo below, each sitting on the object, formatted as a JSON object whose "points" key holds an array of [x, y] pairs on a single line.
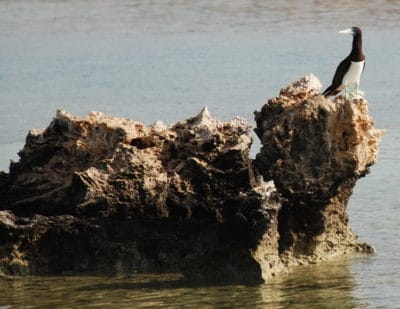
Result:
{"points": [[349, 70]]}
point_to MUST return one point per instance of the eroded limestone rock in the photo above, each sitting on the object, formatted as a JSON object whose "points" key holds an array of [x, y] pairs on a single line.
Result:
{"points": [[109, 195], [112, 194], [315, 149]]}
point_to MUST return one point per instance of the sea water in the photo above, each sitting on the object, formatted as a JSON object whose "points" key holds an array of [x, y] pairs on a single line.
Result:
{"points": [[165, 60]]}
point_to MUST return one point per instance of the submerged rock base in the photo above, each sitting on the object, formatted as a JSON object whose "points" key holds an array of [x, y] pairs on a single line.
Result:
{"points": [[108, 195]]}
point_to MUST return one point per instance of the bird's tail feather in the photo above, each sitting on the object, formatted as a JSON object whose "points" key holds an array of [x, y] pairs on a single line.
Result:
{"points": [[327, 91], [331, 91]]}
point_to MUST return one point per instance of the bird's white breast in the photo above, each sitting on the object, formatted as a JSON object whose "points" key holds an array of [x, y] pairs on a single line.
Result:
{"points": [[353, 74]]}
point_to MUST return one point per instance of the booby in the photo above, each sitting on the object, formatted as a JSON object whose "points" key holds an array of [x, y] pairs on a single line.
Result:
{"points": [[349, 70]]}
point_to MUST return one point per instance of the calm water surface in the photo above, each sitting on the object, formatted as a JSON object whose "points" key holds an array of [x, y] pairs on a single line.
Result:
{"points": [[151, 60], [328, 286]]}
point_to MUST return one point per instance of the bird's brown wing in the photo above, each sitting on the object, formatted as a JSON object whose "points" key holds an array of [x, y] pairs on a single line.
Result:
{"points": [[337, 78], [341, 70]]}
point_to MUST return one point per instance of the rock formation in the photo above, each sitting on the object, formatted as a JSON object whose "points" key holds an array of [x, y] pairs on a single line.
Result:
{"points": [[315, 149], [107, 195], [101, 193]]}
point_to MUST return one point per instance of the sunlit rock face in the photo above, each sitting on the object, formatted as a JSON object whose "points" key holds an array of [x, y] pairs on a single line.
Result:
{"points": [[315, 149], [103, 194]]}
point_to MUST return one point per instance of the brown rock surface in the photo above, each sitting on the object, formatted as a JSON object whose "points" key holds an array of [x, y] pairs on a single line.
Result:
{"points": [[105, 194], [110, 195], [315, 149]]}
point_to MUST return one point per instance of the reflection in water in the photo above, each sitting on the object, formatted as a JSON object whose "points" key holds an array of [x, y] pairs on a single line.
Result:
{"points": [[329, 285]]}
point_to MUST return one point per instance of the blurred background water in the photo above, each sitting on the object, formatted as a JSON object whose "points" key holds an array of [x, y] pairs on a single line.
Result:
{"points": [[151, 60]]}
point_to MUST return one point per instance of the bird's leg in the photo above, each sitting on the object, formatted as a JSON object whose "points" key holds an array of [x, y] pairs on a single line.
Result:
{"points": [[353, 93], [346, 93]]}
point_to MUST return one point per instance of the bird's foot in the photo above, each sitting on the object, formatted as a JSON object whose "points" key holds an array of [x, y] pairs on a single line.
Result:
{"points": [[356, 94], [348, 95], [360, 93]]}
